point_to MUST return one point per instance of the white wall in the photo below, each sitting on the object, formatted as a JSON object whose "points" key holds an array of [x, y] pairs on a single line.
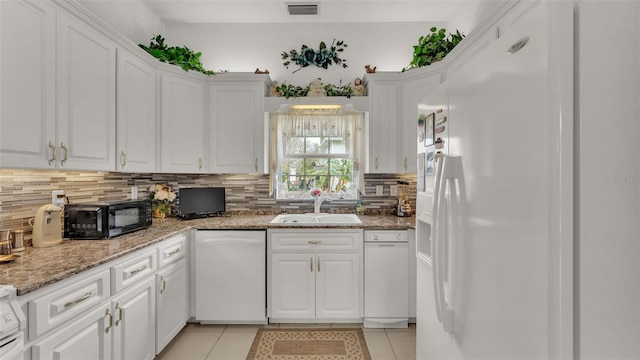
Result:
{"points": [[470, 14], [245, 47], [132, 18]]}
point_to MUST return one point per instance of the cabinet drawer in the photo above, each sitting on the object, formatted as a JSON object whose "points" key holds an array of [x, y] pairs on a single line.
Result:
{"points": [[316, 240], [172, 250], [385, 235], [67, 301], [132, 270]]}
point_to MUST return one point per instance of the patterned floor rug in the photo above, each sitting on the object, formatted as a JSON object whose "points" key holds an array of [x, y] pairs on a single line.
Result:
{"points": [[307, 344]]}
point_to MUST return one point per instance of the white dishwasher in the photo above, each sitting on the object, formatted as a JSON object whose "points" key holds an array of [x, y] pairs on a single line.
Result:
{"points": [[386, 279], [230, 279]]}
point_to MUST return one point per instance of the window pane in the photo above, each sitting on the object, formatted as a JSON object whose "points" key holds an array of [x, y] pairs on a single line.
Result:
{"points": [[292, 167], [295, 145], [322, 182], [338, 146], [340, 183], [341, 167], [316, 145], [316, 166]]}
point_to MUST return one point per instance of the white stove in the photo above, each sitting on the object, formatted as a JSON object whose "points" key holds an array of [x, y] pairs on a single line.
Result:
{"points": [[12, 324]]}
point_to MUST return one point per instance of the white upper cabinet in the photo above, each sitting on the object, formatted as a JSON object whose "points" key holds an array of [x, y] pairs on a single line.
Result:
{"points": [[383, 123], [236, 125], [86, 93], [136, 114], [182, 124], [27, 89]]}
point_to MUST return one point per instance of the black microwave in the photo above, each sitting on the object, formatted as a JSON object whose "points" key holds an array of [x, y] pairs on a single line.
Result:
{"points": [[103, 220]]}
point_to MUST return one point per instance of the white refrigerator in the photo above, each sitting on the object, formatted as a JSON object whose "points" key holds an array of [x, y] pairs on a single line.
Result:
{"points": [[495, 219], [527, 222]]}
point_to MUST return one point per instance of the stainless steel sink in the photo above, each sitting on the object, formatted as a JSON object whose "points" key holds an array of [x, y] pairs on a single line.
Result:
{"points": [[312, 219]]}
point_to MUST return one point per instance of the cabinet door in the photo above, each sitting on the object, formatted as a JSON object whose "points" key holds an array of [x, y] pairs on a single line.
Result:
{"points": [[86, 338], [27, 89], [86, 92], [338, 286], [292, 286], [171, 303], [134, 322], [383, 128], [236, 128], [182, 125], [136, 130]]}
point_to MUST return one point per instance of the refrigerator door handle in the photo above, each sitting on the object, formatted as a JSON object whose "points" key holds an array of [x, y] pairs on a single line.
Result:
{"points": [[444, 175], [434, 236]]}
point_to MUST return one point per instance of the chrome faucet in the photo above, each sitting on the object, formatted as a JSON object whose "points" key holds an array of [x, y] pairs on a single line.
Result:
{"points": [[318, 200]]}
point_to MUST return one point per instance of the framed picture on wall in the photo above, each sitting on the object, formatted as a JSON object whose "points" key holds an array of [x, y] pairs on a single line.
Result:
{"points": [[430, 162], [429, 125]]}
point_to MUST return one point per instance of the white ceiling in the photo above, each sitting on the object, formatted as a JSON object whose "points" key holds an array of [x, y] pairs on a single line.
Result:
{"points": [[275, 11]]}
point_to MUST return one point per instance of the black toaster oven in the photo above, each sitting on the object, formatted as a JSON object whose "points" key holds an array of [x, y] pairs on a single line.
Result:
{"points": [[103, 220]]}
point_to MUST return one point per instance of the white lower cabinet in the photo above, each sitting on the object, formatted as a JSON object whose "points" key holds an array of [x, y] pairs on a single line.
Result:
{"points": [[171, 306], [123, 328], [111, 312], [134, 322], [85, 338], [337, 286], [315, 276], [293, 286]]}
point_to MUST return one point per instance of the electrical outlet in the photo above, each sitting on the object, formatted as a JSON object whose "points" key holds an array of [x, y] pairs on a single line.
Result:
{"points": [[393, 190], [134, 193], [57, 198], [379, 190]]}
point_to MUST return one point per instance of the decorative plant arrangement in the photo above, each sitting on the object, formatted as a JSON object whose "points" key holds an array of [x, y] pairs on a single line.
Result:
{"points": [[433, 47], [288, 90], [180, 56], [161, 199], [320, 58], [315, 88]]}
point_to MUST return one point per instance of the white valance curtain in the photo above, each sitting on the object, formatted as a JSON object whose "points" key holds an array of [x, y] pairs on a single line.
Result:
{"points": [[336, 123]]}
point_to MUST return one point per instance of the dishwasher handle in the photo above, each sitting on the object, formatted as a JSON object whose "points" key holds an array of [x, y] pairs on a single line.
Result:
{"points": [[230, 241]]}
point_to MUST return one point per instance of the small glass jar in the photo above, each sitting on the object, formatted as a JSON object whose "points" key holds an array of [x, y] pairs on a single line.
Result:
{"points": [[5, 242]]}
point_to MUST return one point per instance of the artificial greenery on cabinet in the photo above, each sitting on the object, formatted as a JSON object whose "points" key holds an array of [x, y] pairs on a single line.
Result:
{"points": [[433, 47], [175, 55], [315, 88]]}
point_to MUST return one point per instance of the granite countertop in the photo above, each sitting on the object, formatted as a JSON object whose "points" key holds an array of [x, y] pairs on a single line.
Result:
{"points": [[39, 267]]}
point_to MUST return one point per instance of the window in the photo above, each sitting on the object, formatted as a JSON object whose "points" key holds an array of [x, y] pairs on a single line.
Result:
{"points": [[316, 148]]}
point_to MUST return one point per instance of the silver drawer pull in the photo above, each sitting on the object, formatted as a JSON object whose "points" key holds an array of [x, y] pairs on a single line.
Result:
{"points": [[119, 309], [66, 153], [171, 253], [135, 271], [314, 242], [80, 299], [52, 160], [110, 323]]}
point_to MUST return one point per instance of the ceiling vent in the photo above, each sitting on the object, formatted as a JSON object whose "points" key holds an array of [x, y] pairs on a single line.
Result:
{"points": [[303, 9]]}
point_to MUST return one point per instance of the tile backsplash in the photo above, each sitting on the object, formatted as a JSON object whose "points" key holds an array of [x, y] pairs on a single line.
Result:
{"points": [[22, 192]]}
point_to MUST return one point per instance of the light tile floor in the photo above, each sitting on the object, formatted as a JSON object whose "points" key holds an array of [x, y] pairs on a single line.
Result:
{"points": [[232, 342]]}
